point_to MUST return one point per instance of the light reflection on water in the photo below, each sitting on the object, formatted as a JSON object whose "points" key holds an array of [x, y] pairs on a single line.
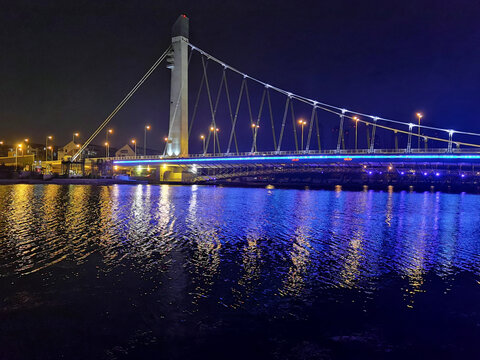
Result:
{"points": [[304, 238], [240, 248]]}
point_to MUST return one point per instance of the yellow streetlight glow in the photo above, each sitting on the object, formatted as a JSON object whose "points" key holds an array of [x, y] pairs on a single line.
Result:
{"points": [[147, 127], [202, 137], [133, 141], [166, 138], [419, 115], [106, 144], [50, 137], [19, 145], [110, 131], [212, 128]]}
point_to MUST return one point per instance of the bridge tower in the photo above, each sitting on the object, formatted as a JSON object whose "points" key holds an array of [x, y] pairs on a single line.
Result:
{"points": [[177, 143]]}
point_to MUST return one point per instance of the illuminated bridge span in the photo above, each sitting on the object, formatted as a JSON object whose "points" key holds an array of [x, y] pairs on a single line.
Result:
{"points": [[253, 128]]}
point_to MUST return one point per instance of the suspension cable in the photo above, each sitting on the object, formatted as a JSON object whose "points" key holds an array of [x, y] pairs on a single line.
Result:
{"points": [[324, 105], [120, 105]]}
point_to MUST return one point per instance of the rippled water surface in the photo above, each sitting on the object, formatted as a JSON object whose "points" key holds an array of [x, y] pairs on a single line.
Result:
{"points": [[167, 272]]}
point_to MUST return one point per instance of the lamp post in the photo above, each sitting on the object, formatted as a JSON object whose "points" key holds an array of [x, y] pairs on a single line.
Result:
{"points": [[51, 148], [75, 134], [255, 131], [203, 141], [147, 127], [419, 116], [134, 142], [302, 123], [109, 132], [46, 146], [19, 146], [356, 131], [166, 144], [214, 131], [106, 149]]}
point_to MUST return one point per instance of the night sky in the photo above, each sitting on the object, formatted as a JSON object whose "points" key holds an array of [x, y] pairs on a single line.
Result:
{"points": [[65, 65]]}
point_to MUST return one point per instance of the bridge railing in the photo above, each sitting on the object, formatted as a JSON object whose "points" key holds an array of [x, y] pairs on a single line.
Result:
{"points": [[290, 153]]}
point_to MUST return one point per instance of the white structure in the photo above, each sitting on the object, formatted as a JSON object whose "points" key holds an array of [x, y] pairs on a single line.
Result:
{"points": [[178, 127]]}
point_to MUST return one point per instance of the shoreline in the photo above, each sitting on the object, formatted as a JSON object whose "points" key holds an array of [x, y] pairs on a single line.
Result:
{"points": [[380, 187]]}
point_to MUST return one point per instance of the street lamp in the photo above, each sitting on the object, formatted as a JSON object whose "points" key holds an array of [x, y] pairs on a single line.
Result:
{"points": [[51, 148], [356, 131], [203, 140], [134, 142], [215, 131], [166, 139], [109, 132], [76, 134], [302, 123], [19, 146], [107, 150], [419, 116], [46, 146], [255, 131], [147, 127]]}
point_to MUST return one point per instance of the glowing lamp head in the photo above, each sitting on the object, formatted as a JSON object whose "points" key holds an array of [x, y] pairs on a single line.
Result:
{"points": [[419, 115], [212, 128], [134, 141], [166, 138], [106, 144], [202, 137], [19, 146], [78, 146], [50, 137], [26, 140], [148, 127], [76, 134]]}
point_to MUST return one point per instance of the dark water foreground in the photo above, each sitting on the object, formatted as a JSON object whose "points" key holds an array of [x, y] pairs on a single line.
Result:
{"points": [[164, 272]]}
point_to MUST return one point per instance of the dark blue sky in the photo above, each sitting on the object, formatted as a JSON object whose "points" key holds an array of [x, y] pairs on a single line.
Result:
{"points": [[64, 65]]}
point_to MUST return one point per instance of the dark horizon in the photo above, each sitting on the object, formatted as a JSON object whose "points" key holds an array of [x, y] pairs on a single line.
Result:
{"points": [[64, 67]]}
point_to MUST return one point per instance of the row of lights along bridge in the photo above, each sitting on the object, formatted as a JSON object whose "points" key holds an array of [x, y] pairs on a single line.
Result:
{"points": [[302, 123]]}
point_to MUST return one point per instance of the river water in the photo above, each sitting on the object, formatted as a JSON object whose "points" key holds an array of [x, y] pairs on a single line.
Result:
{"points": [[193, 272]]}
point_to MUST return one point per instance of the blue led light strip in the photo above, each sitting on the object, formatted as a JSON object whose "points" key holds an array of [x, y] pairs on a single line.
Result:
{"points": [[297, 158]]}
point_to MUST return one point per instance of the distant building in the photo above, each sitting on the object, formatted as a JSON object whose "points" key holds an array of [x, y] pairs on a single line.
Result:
{"points": [[68, 150], [125, 150], [128, 150]]}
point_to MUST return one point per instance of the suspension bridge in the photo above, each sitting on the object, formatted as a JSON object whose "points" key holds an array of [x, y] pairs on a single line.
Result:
{"points": [[263, 137]]}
